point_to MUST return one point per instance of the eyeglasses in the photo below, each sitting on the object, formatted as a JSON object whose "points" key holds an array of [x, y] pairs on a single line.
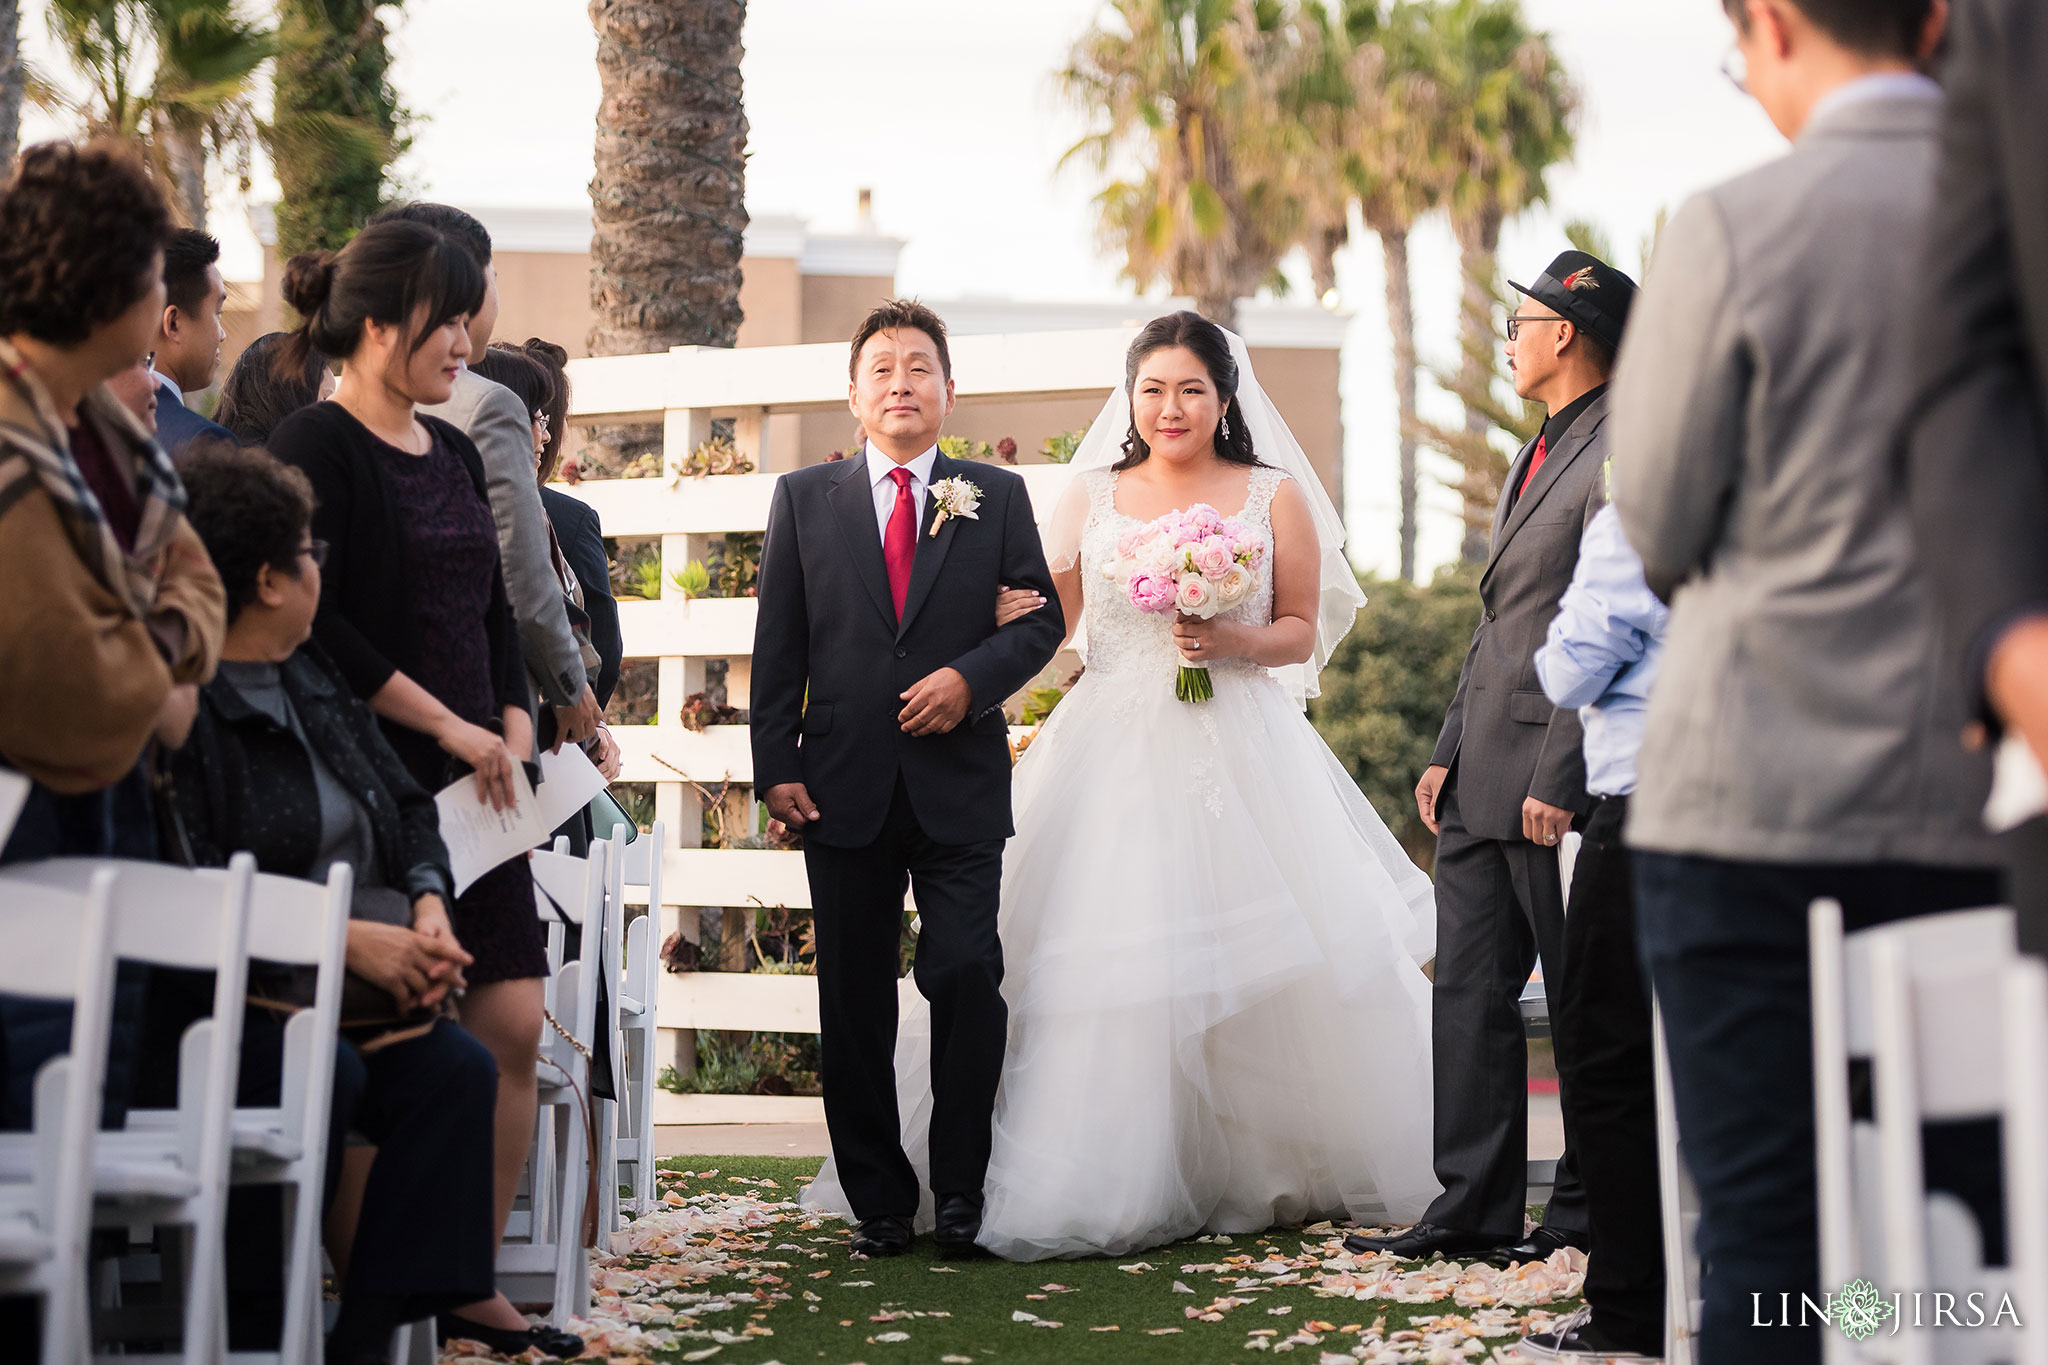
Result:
{"points": [[1515, 325], [316, 550], [540, 419], [1735, 67]]}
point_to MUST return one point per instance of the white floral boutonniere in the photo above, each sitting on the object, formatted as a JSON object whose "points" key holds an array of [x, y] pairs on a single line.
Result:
{"points": [[956, 497]]}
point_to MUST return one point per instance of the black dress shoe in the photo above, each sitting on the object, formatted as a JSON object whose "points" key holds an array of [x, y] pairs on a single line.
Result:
{"points": [[1537, 1246], [1422, 1241], [888, 1235], [959, 1224], [549, 1340]]}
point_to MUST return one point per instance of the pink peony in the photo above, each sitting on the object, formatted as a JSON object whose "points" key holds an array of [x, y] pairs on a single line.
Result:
{"points": [[1127, 543], [1205, 518], [1195, 597], [1151, 592]]}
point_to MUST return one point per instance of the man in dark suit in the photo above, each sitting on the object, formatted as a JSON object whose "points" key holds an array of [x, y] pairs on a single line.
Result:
{"points": [[1979, 447], [878, 731], [1507, 778], [188, 339]]}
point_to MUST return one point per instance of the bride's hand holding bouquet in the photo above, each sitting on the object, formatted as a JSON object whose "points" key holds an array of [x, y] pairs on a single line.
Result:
{"points": [[1196, 564]]}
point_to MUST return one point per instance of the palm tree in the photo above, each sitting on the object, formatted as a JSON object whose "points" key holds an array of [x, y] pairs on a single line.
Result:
{"points": [[668, 203], [1506, 108], [12, 83], [172, 76], [1192, 91], [337, 125]]}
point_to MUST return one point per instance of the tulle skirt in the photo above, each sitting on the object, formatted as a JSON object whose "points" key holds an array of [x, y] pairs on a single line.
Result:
{"points": [[1218, 1020]]}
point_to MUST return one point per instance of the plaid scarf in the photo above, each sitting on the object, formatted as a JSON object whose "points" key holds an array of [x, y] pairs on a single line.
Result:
{"points": [[42, 453]]}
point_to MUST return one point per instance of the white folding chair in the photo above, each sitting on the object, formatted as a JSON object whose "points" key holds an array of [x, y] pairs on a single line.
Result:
{"points": [[637, 865], [1937, 992], [552, 1261], [59, 947], [1680, 1201], [1849, 1153], [176, 1174], [2024, 997]]}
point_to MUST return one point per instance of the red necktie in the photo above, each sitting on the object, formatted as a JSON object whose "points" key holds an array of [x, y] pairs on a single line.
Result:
{"points": [[1534, 465], [899, 545]]}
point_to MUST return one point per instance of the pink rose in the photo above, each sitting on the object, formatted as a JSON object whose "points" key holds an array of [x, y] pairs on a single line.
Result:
{"points": [[1127, 543], [1195, 597], [1213, 558], [1151, 592]]}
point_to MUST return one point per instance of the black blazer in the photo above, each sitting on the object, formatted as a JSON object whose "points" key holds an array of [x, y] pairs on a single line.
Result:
{"points": [[365, 622], [581, 536], [1979, 446], [827, 627], [243, 781]]}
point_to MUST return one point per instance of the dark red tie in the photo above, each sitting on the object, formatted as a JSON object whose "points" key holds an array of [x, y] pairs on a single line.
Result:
{"points": [[1534, 465], [899, 544]]}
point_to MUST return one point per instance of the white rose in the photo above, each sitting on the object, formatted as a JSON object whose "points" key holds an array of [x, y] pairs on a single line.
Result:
{"points": [[1235, 585], [1195, 597]]}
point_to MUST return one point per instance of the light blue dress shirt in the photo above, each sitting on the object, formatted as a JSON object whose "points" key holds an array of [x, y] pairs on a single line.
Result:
{"points": [[1603, 650]]}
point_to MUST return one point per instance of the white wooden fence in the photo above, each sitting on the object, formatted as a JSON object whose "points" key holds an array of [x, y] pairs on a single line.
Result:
{"points": [[687, 389]]}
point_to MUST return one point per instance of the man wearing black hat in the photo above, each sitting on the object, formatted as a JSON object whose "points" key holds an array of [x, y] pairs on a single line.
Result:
{"points": [[1504, 784]]}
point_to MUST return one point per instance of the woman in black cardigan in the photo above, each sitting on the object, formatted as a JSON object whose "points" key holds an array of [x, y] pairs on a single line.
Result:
{"points": [[413, 609]]}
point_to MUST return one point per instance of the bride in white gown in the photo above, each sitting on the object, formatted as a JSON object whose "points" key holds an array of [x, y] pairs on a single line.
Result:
{"points": [[1211, 942]]}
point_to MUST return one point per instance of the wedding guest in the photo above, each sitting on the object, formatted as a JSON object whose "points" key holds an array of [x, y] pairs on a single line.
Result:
{"points": [[1801, 741], [1506, 782], [527, 376], [577, 525], [413, 610], [1979, 451], [186, 353], [503, 433], [110, 613], [257, 394], [135, 388], [1599, 658], [286, 762]]}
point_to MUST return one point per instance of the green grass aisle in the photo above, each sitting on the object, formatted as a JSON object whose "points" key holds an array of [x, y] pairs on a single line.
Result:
{"points": [[733, 1273]]}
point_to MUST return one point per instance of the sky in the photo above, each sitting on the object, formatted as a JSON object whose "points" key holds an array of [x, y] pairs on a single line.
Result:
{"points": [[947, 110]]}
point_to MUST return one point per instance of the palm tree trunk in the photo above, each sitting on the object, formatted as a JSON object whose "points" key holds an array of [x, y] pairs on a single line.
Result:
{"points": [[11, 83], [1478, 252], [185, 161], [1401, 322]]}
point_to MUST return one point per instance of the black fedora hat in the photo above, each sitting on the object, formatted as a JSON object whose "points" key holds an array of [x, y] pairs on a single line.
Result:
{"points": [[1583, 289]]}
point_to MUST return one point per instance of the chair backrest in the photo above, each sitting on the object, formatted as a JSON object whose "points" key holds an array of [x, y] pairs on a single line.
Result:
{"points": [[60, 946], [558, 882], [290, 918], [2024, 994]]}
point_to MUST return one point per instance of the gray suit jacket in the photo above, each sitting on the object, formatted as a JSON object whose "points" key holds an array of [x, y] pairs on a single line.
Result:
{"points": [[492, 416], [1509, 742], [1804, 712]]}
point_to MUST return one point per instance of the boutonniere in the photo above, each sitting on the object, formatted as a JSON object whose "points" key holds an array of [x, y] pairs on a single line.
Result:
{"points": [[956, 497]]}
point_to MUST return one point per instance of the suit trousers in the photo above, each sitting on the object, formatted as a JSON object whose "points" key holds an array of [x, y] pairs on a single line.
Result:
{"points": [[858, 898], [1498, 902], [1726, 947], [1600, 1022]]}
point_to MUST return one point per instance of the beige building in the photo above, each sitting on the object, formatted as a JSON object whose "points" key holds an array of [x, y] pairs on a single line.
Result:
{"points": [[801, 286]]}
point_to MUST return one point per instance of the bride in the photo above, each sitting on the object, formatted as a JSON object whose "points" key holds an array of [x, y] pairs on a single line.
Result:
{"points": [[1211, 942]]}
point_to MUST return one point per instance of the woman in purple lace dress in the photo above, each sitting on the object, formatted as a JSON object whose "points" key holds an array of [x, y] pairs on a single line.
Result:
{"points": [[414, 614]]}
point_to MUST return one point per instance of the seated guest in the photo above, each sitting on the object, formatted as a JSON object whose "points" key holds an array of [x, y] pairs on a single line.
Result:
{"points": [[136, 389], [285, 762], [188, 337], [261, 391], [111, 614]]}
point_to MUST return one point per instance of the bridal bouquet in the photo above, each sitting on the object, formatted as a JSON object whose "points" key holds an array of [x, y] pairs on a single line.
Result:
{"points": [[1197, 563]]}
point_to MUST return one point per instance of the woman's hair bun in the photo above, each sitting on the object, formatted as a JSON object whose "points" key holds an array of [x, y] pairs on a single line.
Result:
{"points": [[308, 280]]}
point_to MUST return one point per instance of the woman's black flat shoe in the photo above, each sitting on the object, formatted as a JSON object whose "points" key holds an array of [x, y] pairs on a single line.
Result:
{"points": [[551, 1341]]}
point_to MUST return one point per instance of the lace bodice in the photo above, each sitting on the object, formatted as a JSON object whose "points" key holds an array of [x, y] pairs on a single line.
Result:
{"points": [[1119, 636]]}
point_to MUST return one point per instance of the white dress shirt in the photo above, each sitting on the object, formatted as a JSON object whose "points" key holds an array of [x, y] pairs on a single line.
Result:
{"points": [[884, 487]]}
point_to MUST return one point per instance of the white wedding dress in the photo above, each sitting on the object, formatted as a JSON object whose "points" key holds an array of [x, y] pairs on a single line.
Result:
{"points": [[1211, 946]]}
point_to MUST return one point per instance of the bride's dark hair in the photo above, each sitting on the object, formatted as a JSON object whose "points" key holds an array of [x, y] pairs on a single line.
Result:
{"points": [[1210, 346]]}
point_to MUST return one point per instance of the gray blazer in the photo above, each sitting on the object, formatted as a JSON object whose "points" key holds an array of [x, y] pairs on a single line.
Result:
{"points": [[1510, 742], [492, 416], [1805, 711]]}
